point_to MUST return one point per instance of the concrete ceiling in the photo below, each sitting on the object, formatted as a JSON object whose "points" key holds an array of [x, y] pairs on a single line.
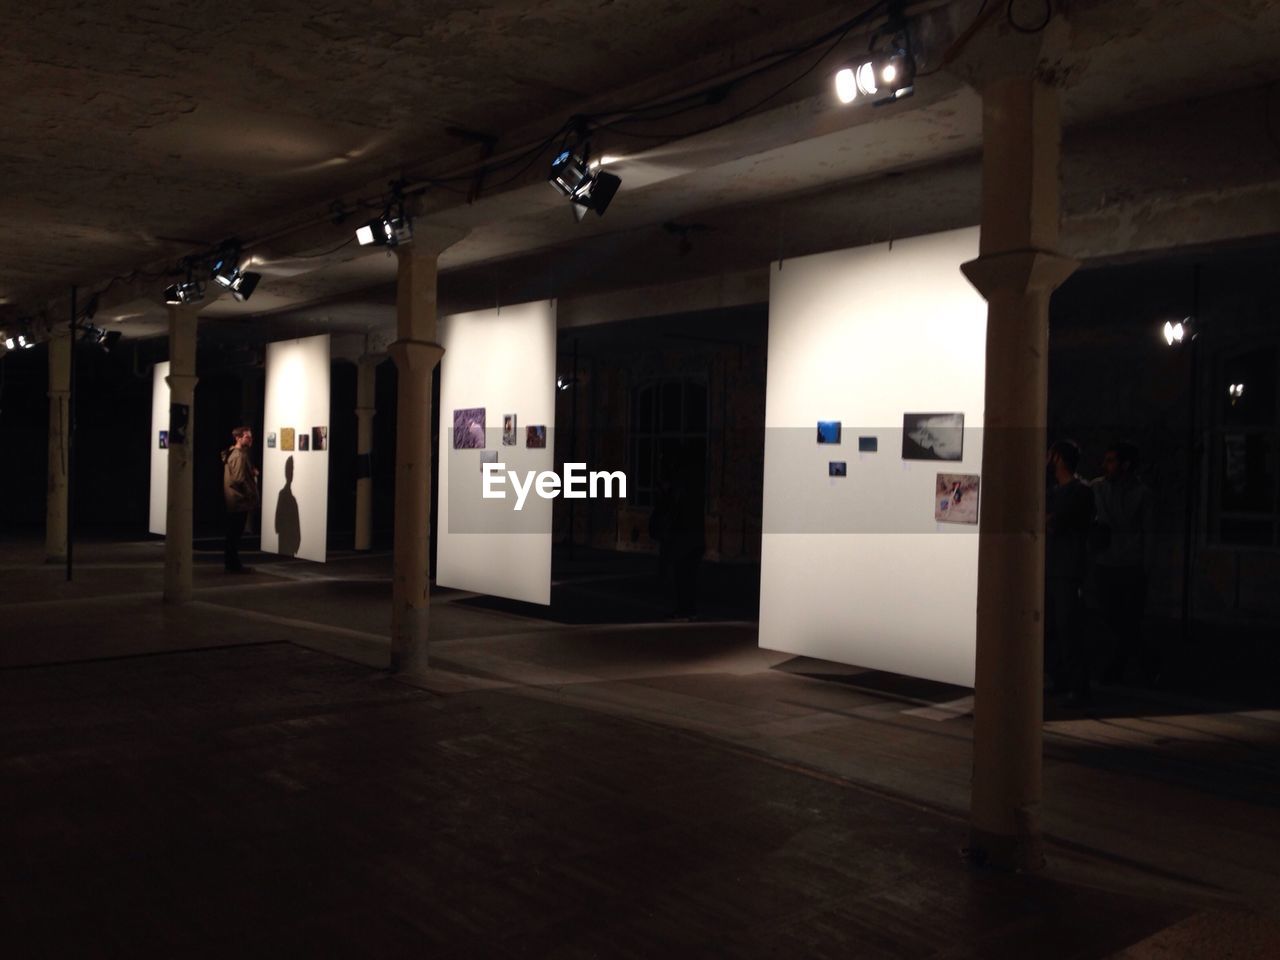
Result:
{"points": [[134, 137]]}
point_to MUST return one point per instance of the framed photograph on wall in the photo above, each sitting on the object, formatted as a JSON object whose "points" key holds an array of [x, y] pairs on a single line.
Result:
{"points": [[286, 438], [509, 435], [932, 436], [837, 468], [304, 441], [828, 431], [319, 438], [535, 438], [468, 428], [956, 498], [868, 444], [164, 439], [271, 441]]}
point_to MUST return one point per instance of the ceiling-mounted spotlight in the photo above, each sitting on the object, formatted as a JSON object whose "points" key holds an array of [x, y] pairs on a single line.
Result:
{"points": [[886, 77], [1175, 332], [888, 72], [106, 339], [10, 343], [224, 268], [391, 229], [387, 230], [189, 291], [586, 185], [24, 343], [244, 284]]}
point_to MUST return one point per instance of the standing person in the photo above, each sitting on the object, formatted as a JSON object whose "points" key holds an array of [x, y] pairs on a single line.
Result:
{"points": [[1124, 513], [240, 490], [1069, 517]]}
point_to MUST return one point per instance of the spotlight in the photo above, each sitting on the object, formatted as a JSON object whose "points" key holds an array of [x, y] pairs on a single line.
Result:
{"points": [[386, 231], [190, 291], [244, 284], [586, 185], [1235, 391], [1175, 332], [564, 383], [24, 343], [10, 343], [225, 267], [889, 76]]}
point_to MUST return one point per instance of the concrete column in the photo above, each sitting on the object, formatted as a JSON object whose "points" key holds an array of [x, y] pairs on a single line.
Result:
{"points": [[56, 506], [182, 389], [366, 372], [1017, 270], [416, 354]]}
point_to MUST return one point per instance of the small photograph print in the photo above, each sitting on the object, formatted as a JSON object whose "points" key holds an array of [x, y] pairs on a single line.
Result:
{"points": [[487, 456], [956, 498], [304, 441], [535, 437], [319, 438], [837, 468], [286, 438], [509, 436], [932, 436], [164, 439], [271, 440], [828, 431], [468, 428], [868, 444]]}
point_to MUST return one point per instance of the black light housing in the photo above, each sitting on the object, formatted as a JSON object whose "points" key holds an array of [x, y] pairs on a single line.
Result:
{"points": [[225, 266], [572, 175], [887, 77], [189, 291], [244, 284], [389, 230]]}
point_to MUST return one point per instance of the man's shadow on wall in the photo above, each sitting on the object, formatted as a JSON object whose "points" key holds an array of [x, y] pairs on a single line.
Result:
{"points": [[288, 523]]}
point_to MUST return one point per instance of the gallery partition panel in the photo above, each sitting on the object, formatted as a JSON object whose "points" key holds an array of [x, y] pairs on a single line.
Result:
{"points": [[873, 457], [295, 449], [497, 405], [159, 448]]}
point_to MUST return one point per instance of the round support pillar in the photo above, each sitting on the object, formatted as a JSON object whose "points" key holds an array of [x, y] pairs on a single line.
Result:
{"points": [[365, 380], [178, 518], [56, 504]]}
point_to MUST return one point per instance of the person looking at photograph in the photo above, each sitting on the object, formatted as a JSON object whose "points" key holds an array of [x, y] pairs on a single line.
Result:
{"points": [[240, 491]]}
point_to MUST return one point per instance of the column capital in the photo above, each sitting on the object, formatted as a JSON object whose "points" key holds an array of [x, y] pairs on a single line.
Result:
{"points": [[418, 357], [1018, 272], [181, 381]]}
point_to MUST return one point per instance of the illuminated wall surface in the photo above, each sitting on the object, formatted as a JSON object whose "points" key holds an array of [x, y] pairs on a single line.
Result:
{"points": [[159, 455], [295, 509], [503, 361], [855, 568]]}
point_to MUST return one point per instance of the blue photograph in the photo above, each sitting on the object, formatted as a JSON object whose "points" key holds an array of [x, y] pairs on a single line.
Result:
{"points": [[828, 431]]}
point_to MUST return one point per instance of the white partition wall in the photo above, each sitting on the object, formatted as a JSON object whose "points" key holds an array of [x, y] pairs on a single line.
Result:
{"points": [[159, 448], [295, 449], [855, 567], [504, 363]]}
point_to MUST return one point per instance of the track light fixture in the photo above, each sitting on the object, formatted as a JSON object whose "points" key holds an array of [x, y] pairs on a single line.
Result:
{"points": [[106, 339], [224, 269], [587, 186], [1176, 331], [887, 73], [189, 291], [393, 228]]}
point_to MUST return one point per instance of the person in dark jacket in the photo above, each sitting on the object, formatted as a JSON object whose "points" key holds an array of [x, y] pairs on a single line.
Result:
{"points": [[1069, 508], [240, 491]]}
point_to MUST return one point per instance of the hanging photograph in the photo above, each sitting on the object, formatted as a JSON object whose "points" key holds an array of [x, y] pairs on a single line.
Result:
{"points": [[509, 437], [487, 456], [286, 438], [535, 437], [837, 468], [868, 444], [319, 438], [932, 436], [956, 498], [164, 439], [468, 429], [828, 431], [271, 440], [304, 441]]}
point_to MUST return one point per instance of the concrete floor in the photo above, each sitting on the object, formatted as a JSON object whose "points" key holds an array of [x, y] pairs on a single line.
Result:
{"points": [[239, 776]]}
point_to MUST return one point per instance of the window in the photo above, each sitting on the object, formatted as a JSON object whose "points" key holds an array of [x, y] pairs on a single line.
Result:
{"points": [[1246, 481], [668, 420]]}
